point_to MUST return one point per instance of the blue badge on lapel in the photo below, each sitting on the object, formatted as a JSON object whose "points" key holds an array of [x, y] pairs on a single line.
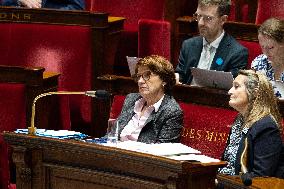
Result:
{"points": [[219, 61]]}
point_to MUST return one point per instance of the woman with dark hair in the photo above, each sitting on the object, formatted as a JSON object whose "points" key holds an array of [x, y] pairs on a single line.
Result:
{"points": [[152, 115], [254, 144], [271, 62]]}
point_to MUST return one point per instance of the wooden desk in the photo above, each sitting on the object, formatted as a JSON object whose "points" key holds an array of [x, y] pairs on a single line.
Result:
{"points": [[58, 164], [234, 182]]}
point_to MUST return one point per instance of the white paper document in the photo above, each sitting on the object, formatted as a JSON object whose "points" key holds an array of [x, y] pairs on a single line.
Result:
{"points": [[194, 157], [176, 151], [132, 61], [162, 149], [212, 78]]}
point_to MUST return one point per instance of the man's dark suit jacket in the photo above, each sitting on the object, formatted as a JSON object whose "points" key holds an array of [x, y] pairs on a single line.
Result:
{"points": [[162, 126], [53, 4], [230, 57], [264, 149]]}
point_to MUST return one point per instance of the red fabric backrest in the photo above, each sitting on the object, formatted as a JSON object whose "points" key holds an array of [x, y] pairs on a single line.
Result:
{"points": [[116, 106], [132, 10], [232, 15], [57, 48], [154, 37], [269, 8], [254, 50], [206, 128], [233, 11], [88, 5], [12, 117]]}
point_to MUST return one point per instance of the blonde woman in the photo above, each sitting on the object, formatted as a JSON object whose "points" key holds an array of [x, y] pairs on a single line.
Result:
{"points": [[254, 144]]}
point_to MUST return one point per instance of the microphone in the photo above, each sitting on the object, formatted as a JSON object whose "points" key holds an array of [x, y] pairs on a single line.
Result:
{"points": [[246, 179], [245, 175], [100, 94]]}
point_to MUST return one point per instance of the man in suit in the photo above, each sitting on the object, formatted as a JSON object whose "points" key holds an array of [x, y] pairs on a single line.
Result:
{"points": [[53, 4], [214, 49]]}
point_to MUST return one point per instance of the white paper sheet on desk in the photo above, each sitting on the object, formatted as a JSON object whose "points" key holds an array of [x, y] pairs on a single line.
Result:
{"points": [[60, 133], [132, 61], [162, 149], [195, 157]]}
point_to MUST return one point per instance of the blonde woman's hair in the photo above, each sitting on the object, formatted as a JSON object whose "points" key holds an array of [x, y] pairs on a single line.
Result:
{"points": [[261, 97]]}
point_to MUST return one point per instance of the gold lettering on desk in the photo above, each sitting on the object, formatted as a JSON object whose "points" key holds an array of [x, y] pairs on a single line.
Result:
{"points": [[27, 16], [204, 135], [14, 16], [3, 15]]}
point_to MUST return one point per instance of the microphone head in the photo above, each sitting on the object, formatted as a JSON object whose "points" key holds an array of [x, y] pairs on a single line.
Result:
{"points": [[102, 94], [246, 179]]}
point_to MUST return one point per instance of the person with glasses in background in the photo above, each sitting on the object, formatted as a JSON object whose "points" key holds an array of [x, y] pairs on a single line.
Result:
{"points": [[52, 4], [214, 49], [271, 62], [152, 115]]}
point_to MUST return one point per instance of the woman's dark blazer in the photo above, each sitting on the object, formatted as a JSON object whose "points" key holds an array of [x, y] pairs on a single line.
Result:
{"points": [[264, 148], [162, 126]]}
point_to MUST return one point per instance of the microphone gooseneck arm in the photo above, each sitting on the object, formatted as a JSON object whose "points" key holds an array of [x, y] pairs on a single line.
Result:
{"points": [[99, 94]]}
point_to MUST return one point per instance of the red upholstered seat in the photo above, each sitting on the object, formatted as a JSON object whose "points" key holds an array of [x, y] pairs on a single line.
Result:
{"points": [[154, 37], [254, 50], [232, 15], [206, 128], [12, 117], [269, 8], [88, 4], [61, 49], [243, 11], [116, 106], [132, 10]]}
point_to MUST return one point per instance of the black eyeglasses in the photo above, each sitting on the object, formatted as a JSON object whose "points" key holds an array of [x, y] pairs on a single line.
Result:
{"points": [[197, 17], [145, 75]]}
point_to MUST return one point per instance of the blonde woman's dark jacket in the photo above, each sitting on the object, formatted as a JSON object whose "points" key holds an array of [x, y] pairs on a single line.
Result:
{"points": [[264, 148]]}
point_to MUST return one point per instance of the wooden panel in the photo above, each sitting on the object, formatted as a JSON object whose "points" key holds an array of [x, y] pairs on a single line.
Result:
{"points": [[56, 163]]}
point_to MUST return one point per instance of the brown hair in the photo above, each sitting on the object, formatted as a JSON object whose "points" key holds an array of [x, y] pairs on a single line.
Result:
{"points": [[224, 6], [160, 66], [274, 28]]}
